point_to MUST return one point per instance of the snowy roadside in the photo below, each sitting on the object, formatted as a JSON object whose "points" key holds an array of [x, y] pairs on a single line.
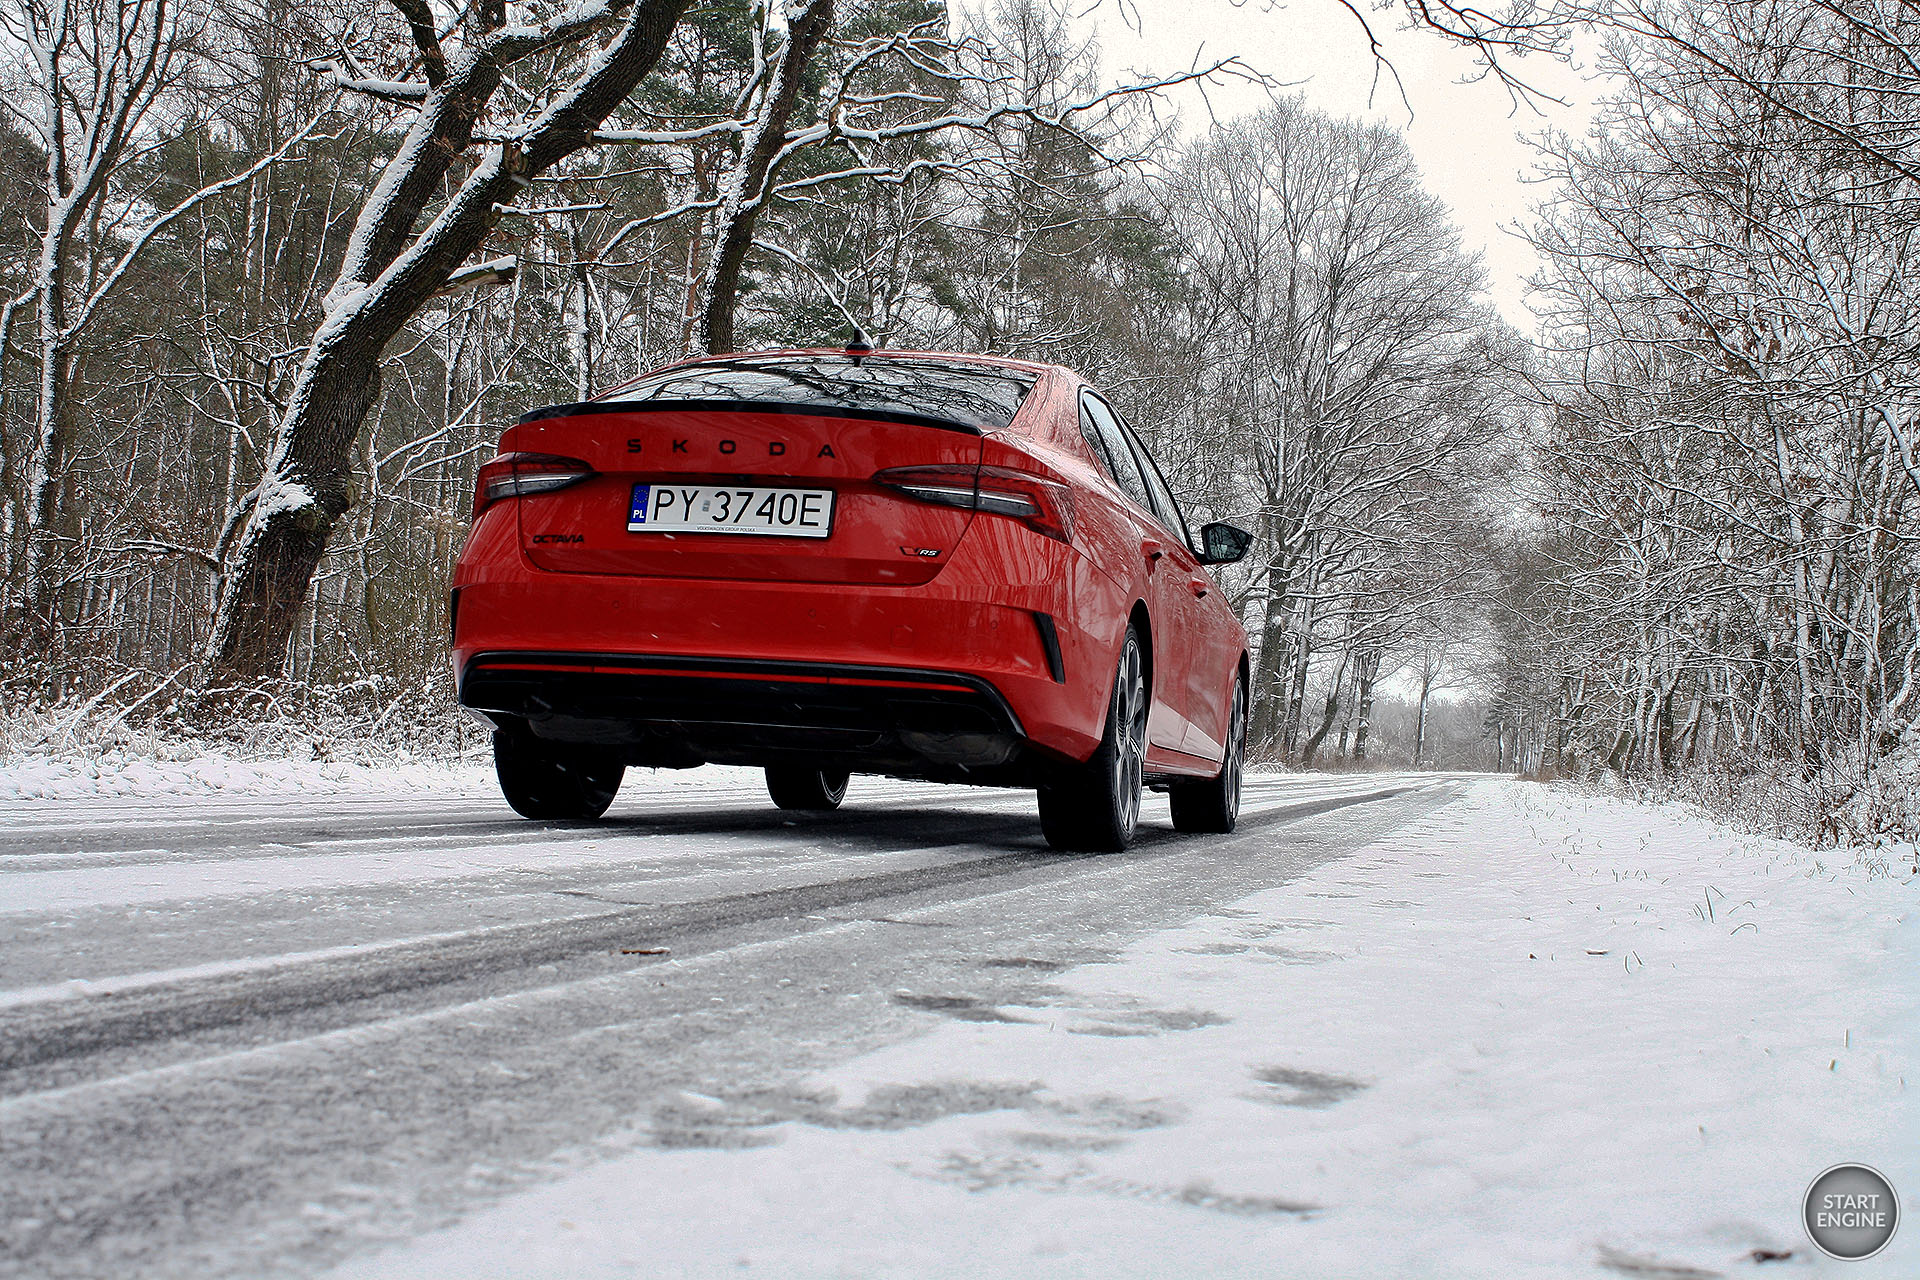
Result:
{"points": [[1534, 1034], [144, 775], [186, 773]]}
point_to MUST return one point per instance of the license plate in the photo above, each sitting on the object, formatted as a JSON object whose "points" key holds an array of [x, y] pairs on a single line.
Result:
{"points": [[692, 508]]}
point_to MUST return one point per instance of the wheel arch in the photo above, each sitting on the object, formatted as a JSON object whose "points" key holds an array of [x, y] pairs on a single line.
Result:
{"points": [[1142, 622]]}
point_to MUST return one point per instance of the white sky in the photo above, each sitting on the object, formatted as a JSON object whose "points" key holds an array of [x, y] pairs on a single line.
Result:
{"points": [[1463, 135]]}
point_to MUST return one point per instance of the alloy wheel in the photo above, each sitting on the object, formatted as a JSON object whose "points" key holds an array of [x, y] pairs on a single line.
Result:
{"points": [[1130, 734], [1235, 762]]}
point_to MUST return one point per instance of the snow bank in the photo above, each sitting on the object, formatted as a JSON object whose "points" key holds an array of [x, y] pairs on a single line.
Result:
{"points": [[137, 774], [1534, 1035], [143, 736]]}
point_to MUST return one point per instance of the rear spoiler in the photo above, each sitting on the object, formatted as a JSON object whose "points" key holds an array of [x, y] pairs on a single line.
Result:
{"points": [[751, 406]]}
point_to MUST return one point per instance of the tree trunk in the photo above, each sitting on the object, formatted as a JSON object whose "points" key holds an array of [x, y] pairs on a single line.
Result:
{"points": [[46, 468], [577, 313], [1420, 730], [1363, 673], [1269, 679], [305, 491], [1622, 749], [747, 192], [53, 428], [1302, 657], [1309, 752]]}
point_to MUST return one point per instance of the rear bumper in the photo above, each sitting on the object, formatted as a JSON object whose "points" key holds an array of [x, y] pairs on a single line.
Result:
{"points": [[678, 712], [633, 659]]}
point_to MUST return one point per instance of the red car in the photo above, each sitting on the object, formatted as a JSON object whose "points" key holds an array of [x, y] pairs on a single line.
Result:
{"points": [[950, 567]]}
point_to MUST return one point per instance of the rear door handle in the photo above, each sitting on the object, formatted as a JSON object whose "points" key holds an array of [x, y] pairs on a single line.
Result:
{"points": [[1200, 586], [1152, 550]]}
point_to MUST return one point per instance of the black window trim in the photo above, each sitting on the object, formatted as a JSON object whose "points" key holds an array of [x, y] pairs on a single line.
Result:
{"points": [[1144, 460], [1088, 393], [1152, 467], [1101, 455]]}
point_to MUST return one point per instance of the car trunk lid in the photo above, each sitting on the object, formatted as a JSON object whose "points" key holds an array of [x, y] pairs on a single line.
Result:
{"points": [[751, 464]]}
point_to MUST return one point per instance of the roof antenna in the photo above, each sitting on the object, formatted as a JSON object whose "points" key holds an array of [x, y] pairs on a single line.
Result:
{"points": [[861, 345]]}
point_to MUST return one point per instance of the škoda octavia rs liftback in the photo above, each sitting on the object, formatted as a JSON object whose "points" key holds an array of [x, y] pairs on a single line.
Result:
{"points": [[820, 563]]}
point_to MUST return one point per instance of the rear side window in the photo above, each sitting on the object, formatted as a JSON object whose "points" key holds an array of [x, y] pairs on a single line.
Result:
{"points": [[1164, 504], [1104, 437], [979, 396]]}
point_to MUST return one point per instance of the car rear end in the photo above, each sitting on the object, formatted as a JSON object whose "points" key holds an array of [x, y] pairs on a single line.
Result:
{"points": [[843, 558]]}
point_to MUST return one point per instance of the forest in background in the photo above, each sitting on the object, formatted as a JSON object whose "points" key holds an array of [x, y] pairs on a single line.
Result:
{"points": [[273, 278]]}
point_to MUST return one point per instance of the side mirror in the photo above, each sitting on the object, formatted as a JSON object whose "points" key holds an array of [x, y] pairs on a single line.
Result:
{"points": [[1223, 544]]}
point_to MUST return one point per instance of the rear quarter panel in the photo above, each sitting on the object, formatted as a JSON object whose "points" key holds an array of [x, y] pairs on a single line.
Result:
{"points": [[1107, 542]]}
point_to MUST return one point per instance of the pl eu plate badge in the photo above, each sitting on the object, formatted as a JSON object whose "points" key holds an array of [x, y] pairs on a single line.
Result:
{"points": [[637, 509]]}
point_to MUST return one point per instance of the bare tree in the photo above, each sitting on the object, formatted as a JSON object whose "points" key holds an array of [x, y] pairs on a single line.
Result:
{"points": [[101, 89], [1729, 471], [1352, 365], [987, 97]]}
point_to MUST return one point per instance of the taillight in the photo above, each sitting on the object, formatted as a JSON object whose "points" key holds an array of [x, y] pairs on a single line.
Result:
{"points": [[1035, 501], [511, 475]]}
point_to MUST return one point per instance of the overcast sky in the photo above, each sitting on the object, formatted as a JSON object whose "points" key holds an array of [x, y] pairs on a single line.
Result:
{"points": [[1464, 136]]}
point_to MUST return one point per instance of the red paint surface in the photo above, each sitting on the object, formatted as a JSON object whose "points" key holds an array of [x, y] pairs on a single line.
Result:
{"points": [[866, 594]]}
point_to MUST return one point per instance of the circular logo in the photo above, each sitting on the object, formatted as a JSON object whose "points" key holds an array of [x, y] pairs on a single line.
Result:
{"points": [[1851, 1212]]}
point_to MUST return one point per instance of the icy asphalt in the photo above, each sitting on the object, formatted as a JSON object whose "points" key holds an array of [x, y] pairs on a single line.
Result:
{"points": [[245, 1037]]}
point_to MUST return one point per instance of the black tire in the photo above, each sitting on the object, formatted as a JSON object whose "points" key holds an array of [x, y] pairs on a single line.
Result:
{"points": [[554, 780], [1094, 807], [1213, 804], [819, 790]]}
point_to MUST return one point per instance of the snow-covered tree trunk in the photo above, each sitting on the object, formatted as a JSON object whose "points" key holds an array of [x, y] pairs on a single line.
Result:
{"points": [[1427, 673], [1365, 671], [97, 75], [392, 269]]}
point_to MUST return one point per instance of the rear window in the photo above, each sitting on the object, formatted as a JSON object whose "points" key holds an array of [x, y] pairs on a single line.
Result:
{"points": [[984, 397]]}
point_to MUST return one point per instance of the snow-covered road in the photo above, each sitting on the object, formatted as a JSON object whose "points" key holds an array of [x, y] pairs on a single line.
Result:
{"points": [[250, 1036]]}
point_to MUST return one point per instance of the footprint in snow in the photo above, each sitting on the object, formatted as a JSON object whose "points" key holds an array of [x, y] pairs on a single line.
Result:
{"points": [[1293, 1087]]}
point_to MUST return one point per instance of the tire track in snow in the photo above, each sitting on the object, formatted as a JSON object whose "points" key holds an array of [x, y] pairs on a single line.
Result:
{"points": [[65, 1022]]}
